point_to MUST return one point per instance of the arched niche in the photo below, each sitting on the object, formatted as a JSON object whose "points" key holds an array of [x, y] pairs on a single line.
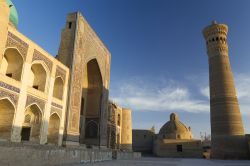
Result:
{"points": [[32, 124], [91, 130], [12, 64], [92, 87], [38, 76], [7, 111], [58, 88], [53, 130]]}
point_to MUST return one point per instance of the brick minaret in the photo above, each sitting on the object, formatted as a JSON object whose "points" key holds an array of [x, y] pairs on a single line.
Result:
{"points": [[228, 139]]}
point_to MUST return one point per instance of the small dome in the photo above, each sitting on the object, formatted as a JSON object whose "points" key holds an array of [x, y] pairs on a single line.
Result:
{"points": [[13, 13], [175, 129]]}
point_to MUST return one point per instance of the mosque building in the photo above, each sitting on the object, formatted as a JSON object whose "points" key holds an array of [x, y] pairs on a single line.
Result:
{"points": [[64, 100], [173, 140], [60, 100]]}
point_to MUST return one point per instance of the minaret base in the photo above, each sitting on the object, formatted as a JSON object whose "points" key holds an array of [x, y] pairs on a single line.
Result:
{"points": [[230, 147]]}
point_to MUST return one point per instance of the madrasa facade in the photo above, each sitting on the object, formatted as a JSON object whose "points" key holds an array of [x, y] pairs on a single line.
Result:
{"points": [[60, 100]]}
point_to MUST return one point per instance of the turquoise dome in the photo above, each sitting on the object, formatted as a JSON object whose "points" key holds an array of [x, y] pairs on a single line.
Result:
{"points": [[13, 13]]}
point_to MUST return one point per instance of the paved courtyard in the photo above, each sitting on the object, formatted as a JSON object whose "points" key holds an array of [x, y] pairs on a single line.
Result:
{"points": [[169, 162]]}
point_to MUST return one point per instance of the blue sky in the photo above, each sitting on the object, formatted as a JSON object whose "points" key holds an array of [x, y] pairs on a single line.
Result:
{"points": [[159, 62]]}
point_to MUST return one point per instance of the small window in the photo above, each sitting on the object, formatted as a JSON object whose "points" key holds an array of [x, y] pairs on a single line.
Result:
{"points": [[118, 120], [179, 148], [82, 107], [70, 25], [35, 87], [9, 75]]}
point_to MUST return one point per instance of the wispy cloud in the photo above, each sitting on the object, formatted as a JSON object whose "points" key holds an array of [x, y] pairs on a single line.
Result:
{"points": [[140, 94], [205, 91], [243, 91], [143, 96]]}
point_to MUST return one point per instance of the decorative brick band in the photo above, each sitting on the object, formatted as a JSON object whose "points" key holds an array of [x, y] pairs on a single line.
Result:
{"points": [[39, 56], [56, 105], [60, 73], [58, 111], [223, 100], [12, 97], [9, 87], [33, 100]]}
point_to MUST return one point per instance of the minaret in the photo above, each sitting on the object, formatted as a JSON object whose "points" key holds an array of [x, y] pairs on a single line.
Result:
{"points": [[228, 139]]}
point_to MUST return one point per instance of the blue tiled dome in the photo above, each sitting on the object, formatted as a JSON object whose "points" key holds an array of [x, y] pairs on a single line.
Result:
{"points": [[13, 13]]}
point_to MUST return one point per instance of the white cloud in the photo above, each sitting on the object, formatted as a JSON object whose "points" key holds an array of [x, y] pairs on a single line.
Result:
{"points": [[141, 96], [242, 82], [205, 91]]}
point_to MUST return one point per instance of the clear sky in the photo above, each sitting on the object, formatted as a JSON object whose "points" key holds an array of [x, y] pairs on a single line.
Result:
{"points": [[159, 62]]}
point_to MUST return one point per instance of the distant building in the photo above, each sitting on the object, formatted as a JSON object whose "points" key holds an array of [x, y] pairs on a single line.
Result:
{"points": [[174, 140], [143, 141], [119, 127]]}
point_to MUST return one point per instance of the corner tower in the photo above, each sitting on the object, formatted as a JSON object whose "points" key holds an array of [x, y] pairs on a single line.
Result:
{"points": [[126, 136], [228, 139]]}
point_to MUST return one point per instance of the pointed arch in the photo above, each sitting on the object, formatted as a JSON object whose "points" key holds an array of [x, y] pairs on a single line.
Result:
{"points": [[7, 111], [12, 63], [58, 88], [91, 130], [31, 129], [95, 61], [10, 100], [39, 76], [92, 89], [53, 130], [35, 105]]}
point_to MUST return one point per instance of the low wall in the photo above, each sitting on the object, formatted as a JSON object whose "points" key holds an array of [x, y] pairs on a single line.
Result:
{"points": [[120, 155], [169, 148], [37, 155]]}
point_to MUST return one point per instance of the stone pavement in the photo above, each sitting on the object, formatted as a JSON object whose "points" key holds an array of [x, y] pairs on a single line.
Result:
{"points": [[169, 162]]}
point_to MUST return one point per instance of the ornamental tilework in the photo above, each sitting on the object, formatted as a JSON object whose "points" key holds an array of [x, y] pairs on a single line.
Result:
{"points": [[60, 73], [11, 96], [33, 100], [14, 41], [9, 87], [56, 105], [58, 111], [39, 56]]}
